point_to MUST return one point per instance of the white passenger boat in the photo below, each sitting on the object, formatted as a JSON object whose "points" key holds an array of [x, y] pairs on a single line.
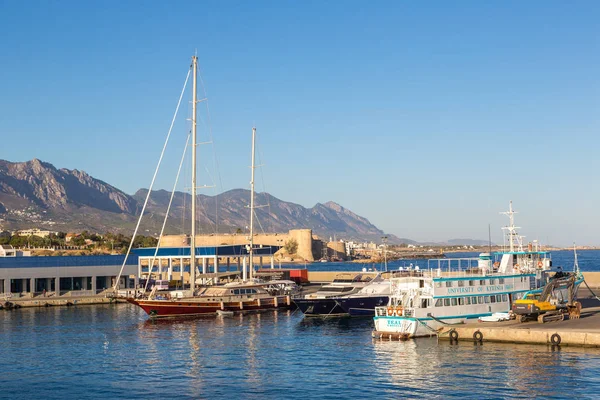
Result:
{"points": [[469, 288]]}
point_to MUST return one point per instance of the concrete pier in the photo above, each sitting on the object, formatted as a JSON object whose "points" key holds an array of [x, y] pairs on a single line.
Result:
{"points": [[582, 332]]}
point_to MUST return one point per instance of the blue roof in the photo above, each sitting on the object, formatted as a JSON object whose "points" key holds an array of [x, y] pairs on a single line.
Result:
{"points": [[221, 251], [66, 261]]}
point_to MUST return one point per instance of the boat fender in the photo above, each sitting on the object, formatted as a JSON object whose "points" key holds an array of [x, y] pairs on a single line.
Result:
{"points": [[555, 339], [478, 336], [390, 311], [453, 334], [399, 311], [540, 265]]}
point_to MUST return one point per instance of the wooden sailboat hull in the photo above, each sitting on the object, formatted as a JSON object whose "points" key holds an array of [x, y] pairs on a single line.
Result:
{"points": [[194, 307]]}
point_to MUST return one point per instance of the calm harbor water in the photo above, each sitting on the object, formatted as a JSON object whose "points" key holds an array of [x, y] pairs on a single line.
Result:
{"points": [[114, 351]]}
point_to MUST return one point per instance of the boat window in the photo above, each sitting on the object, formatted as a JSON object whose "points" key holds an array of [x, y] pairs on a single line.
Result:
{"points": [[348, 289], [438, 284], [461, 283], [498, 298], [504, 297], [236, 291], [486, 299], [448, 283], [438, 303], [480, 300], [482, 282], [501, 281], [446, 302], [492, 281], [424, 303], [461, 301], [493, 299], [454, 301], [471, 283]]}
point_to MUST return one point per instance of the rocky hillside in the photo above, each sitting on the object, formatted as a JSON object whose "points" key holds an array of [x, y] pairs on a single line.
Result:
{"points": [[228, 212], [36, 194]]}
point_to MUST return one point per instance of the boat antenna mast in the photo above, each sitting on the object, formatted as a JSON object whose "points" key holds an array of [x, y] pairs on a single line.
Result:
{"points": [[576, 263], [251, 238], [194, 189], [514, 239]]}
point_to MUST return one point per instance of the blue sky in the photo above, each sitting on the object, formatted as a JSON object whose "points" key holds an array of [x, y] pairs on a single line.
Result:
{"points": [[426, 118]]}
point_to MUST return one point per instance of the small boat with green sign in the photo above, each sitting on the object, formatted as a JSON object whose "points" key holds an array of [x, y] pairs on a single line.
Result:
{"points": [[455, 290]]}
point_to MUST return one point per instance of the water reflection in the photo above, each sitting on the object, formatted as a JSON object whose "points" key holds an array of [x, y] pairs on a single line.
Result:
{"points": [[116, 352]]}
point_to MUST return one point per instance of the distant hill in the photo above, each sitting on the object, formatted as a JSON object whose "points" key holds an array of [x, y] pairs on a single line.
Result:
{"points": [[468, 242], [460, 242], [275, 215], [36, 194]]}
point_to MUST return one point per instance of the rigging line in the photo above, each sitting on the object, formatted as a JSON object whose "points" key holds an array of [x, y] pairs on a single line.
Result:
{"points": [[266, 193], [162, 153], [258, 220], [215, 160], [162, 231]]}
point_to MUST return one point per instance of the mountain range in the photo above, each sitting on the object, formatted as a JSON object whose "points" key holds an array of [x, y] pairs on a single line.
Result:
{"points": [[36, 194]]}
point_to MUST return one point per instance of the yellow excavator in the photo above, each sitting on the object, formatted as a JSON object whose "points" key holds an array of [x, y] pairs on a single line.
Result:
{"points": [[547, 305]]}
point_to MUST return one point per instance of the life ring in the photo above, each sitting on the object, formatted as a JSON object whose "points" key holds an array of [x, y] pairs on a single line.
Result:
{"points": [[555, 339], [399, 311], [390, 311], [453, 334], [496, 264], [478, 336]]}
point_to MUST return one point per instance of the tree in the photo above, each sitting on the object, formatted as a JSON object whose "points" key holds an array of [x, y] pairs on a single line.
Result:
{"points": [[291, 246], [5, 237], [78, 241], [18, 241]]}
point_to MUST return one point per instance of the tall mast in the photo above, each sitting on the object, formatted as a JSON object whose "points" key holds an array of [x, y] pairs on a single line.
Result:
{"points": [[513, 236], [251, 251], [193, 231]]}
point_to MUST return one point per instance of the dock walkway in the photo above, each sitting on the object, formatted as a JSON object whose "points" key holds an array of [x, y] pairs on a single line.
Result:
{"points": [[582, 332]]}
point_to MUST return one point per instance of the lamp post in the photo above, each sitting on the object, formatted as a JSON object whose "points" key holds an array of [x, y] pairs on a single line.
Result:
{"points": [[384, 240]]}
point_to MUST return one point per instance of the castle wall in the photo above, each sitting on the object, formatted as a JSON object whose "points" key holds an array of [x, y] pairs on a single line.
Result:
{"points": [[303, 237]]}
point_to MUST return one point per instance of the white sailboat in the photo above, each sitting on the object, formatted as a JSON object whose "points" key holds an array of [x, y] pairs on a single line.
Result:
{"points": [[244, 296]]}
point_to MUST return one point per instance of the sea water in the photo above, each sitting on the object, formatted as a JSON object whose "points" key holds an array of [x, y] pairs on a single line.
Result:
{"points": [[115, 351]]}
